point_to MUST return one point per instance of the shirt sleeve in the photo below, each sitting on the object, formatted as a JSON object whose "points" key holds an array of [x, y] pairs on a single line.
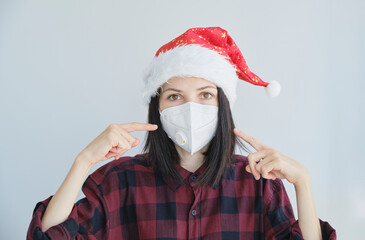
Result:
{"points": [[87, 220], [279, 219]]}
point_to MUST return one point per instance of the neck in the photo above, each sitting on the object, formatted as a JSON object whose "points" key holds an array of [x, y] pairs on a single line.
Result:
{"points": [[191, 162]]}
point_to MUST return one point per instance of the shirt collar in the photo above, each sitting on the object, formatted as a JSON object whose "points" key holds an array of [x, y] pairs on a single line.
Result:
{"points": [[185, 174]]}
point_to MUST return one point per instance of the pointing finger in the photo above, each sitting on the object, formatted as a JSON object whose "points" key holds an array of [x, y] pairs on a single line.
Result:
{"points": [[135, 126], [256, 144]]}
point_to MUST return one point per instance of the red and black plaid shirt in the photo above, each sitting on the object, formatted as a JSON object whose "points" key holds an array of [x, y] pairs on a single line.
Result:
{"points": [[127, 199]]}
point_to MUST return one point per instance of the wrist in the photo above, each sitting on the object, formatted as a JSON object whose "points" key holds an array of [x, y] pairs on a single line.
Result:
{"points": [[303, 183], [84, 160], [304, 179]]}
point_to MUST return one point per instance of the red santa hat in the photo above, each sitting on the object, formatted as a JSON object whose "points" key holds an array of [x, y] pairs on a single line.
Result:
{"points": [[206, 52]]}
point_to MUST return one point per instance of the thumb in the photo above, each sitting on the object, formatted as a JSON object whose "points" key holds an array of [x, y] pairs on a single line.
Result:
{"points": [[136, 142]]}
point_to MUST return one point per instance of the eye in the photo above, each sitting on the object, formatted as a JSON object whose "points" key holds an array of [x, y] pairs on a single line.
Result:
{"points": [[207, 94], [173, 99]]}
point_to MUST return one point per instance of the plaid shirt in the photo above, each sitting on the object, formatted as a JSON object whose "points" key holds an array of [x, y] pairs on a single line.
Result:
{"points": [[127, 199]]}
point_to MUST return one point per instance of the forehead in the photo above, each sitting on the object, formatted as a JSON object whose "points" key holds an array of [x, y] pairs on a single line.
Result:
{"points": [[187, 82]]}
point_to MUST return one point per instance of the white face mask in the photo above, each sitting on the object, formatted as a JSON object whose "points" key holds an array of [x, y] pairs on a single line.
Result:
{"points": [[190, 125]]}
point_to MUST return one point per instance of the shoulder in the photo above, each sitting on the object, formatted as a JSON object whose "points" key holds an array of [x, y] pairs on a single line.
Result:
{"points": [[124, 165], [240, 162]]}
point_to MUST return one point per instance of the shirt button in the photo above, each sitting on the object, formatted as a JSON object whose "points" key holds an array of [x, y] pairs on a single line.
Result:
{"points": [[193, 178], [193, 212]]}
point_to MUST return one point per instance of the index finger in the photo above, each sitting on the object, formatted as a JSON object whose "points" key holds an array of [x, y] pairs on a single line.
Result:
{"points": [[136, 126], [256, 144]]}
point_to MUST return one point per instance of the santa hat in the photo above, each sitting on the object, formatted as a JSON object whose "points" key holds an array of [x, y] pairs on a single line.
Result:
{"points": [[207, 52]]}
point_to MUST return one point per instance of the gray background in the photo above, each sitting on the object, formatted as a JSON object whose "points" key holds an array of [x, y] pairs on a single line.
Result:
{"points": [[70, 68]]}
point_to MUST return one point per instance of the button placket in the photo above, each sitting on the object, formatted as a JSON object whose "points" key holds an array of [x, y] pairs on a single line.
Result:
{"points": [[194, 215]]}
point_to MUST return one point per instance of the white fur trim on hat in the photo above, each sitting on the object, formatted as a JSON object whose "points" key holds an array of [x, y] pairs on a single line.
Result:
{"points": [[190, 60]]}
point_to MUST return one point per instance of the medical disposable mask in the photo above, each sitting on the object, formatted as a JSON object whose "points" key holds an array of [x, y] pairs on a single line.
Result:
{"points": [[190, 125]]}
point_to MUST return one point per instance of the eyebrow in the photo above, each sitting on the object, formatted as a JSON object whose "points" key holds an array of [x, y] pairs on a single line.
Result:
{"points": [[198, 89]]}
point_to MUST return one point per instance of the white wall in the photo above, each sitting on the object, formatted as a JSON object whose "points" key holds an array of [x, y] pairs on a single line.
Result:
{"points": [[70, 68]]}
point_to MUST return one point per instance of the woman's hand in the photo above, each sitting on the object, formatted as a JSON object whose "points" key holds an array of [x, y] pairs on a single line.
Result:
{"points": [[114, 141], [271, 163]]}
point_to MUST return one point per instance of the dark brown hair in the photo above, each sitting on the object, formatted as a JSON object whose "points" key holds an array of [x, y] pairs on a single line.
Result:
{"points": [[219, 155]]}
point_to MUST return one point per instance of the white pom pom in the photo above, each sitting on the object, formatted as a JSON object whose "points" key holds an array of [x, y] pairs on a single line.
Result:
{"points": [[273, 89]]}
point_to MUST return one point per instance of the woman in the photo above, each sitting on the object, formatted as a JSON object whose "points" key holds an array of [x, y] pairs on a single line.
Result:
{"points": [[188, 183]]}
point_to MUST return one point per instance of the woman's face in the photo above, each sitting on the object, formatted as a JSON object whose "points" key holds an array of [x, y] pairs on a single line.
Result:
{"points": [[180, 90]]}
